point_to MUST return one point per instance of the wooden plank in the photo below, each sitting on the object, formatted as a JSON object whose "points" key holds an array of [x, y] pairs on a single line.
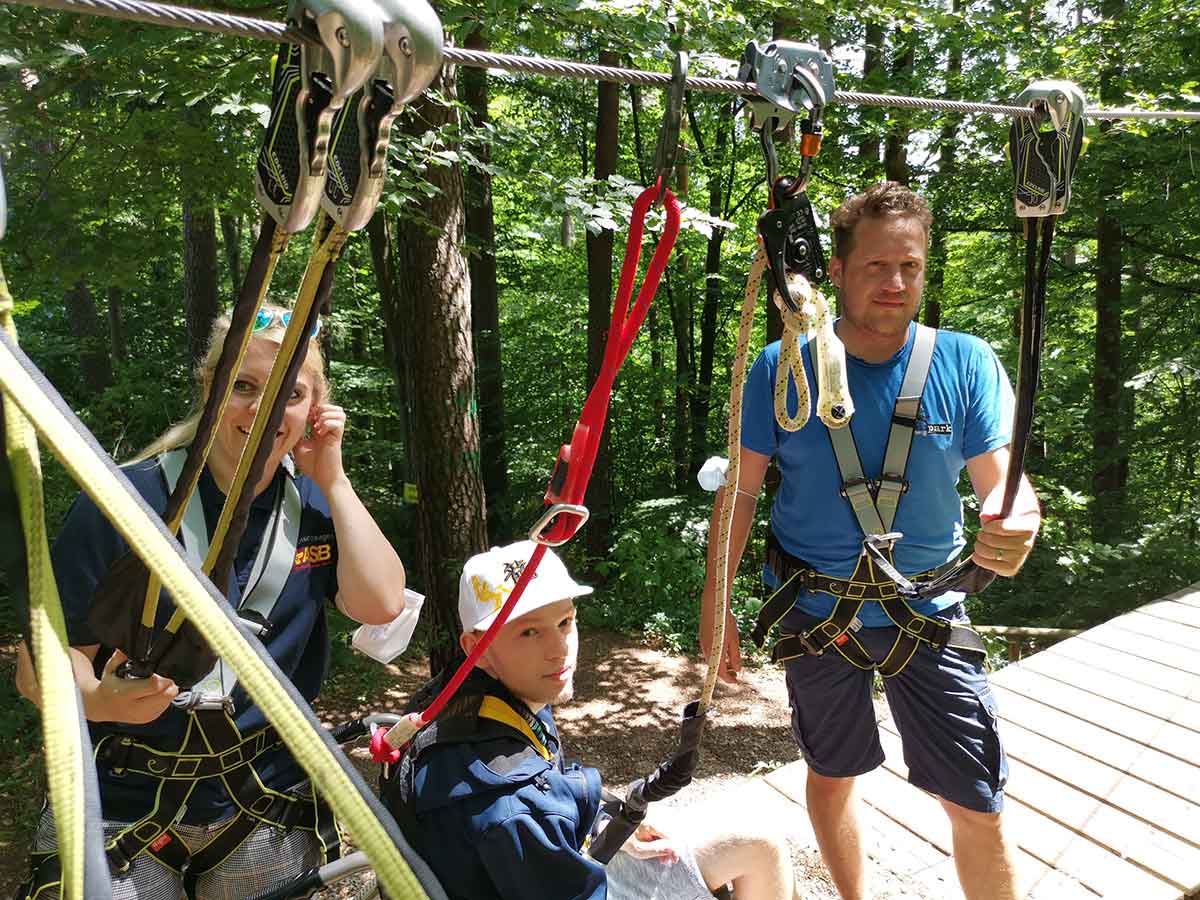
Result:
{"points": [[1109, 635], [900, 854], [1146, 801], [1124, 720], [1169, 773], [1153, 627], [1173, 611], [1189, 595], [1078, 855], [1143, 671], [891, 801], [1123, 690]]}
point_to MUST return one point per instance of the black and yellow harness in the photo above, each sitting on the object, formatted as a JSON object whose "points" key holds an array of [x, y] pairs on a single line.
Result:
{"points": [[212, 746], [874, 504]]}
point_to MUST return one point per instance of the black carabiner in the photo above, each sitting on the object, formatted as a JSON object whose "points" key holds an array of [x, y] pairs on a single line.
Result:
{"points": [[666, 152]]}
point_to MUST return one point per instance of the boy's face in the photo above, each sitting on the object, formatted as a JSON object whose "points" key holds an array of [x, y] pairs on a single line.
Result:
{"points": [[534, 656]]}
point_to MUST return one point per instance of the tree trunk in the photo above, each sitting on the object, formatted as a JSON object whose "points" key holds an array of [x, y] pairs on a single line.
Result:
{"points": [[433, 290], [600, 292], [231, 240], [116, 326], [91, 336], [383, 259], [681, 328], [485, 308], [1108, 453], [201, 302], [868, 145], [947, 166], [895, 157], [702, 398]]}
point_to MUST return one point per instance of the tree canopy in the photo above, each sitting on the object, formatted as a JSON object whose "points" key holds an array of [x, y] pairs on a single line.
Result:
{"points": [[129, 152]]}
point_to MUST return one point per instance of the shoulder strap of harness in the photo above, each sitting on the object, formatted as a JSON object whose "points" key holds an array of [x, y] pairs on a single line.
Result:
{"points": [[272, 566], [875, 508]]}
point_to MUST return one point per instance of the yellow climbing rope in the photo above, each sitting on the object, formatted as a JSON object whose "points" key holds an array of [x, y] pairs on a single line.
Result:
{"points": [[729, 491], [834, 404], [48, 631], [149, 540], [834, 407]]}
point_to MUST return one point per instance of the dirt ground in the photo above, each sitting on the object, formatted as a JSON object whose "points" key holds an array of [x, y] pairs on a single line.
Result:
{"points": [[624, 721]]}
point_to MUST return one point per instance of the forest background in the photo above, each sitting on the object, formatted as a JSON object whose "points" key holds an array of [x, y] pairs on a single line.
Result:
{"points": [[468, 319]]}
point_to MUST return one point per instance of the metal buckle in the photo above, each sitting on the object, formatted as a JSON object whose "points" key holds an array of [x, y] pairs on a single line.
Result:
{"points": [[882, 542], [848, 487], [195, 701], [809, 647], [548, 517]]}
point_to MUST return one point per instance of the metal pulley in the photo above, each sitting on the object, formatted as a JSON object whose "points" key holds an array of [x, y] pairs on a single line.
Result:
{"points": [[793, 79], [412, 57], [310, 84], [1044, 159]]}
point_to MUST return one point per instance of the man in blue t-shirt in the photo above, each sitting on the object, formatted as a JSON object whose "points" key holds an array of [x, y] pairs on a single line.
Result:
{"points": [[940, 699]]}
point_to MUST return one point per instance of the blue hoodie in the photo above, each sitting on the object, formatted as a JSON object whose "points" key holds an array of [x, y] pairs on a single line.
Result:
{"points": [[494, 819]]}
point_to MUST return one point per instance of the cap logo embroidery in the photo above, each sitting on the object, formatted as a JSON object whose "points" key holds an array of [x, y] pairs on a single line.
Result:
{"points": [[513, 570], [488, 595]]}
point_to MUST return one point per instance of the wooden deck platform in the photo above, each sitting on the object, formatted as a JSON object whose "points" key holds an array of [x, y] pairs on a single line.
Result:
{"points": [[1103, 736]]}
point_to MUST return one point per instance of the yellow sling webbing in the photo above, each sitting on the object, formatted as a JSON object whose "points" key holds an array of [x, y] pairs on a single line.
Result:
{"points": [[327, 246], [161, 555], [278, 244], [55, 675]]}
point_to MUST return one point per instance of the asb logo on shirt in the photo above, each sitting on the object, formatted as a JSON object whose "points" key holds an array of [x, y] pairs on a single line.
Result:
{"points": [[317, 552]]}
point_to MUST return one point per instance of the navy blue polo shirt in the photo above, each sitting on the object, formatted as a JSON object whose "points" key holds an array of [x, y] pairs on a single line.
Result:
{"points": [[299, 643]]}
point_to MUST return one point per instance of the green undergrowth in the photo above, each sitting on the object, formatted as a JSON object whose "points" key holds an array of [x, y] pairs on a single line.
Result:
{"points": [[654, 575]]}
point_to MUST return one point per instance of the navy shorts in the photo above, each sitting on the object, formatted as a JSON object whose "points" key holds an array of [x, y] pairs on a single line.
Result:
{"points": [[941, 704]]}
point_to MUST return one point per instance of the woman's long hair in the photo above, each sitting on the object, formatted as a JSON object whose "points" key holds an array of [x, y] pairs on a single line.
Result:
{"points": [[183, 432]]}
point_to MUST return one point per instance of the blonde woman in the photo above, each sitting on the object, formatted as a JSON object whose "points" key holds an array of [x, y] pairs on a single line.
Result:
{"points": [[235, 818]]}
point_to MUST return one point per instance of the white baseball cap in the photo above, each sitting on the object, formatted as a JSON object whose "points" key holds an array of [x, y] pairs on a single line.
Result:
{"points": [[488, 578]]}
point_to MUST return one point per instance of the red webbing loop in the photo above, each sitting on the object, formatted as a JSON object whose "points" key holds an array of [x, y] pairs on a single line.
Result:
{"points": [[579, 456]]}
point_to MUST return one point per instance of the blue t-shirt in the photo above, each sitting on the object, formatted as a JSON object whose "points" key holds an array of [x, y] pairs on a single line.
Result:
{"points": [[966, 410], [299, 641]]}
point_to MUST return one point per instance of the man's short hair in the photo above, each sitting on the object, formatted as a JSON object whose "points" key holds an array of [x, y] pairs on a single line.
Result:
{"points": [[880, 201]]}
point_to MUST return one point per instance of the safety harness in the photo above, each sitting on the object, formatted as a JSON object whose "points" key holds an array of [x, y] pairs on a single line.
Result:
{"points": [[874, 503], [212, 746]]}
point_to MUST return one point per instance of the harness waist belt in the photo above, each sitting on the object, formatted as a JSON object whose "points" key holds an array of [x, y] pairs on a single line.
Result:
{"points": [[125, 754], [837, 631]]}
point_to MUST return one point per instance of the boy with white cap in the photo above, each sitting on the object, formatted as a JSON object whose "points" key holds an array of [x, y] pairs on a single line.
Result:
{"points": [[483, 794]]}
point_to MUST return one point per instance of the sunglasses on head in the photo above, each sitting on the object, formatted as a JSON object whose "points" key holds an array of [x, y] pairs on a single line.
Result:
{"points": [[267, 317]]}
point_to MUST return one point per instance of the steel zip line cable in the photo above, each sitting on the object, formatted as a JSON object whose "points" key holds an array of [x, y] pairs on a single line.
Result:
{"points": [[262, 29]]}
